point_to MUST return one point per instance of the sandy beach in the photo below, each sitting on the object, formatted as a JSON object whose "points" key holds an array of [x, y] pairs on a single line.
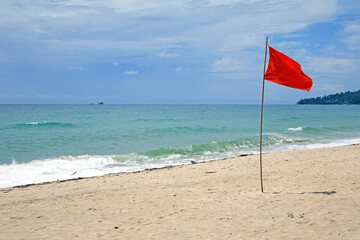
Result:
{"points": [[309, 194]]}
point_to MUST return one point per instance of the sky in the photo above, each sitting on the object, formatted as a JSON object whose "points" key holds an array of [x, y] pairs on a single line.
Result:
{"points": [[172, 52]]}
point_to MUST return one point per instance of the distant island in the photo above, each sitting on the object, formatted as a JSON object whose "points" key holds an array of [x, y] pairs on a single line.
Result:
{"points": [[338, 98], [100, 103]]}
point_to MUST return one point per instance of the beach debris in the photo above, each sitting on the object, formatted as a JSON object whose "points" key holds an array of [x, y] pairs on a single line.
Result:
{"points": [[291, 215], [193, 162], [325, 192]]}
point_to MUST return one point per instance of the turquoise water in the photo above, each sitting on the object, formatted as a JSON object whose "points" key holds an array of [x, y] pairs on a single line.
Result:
{"points": [[41, 143]]}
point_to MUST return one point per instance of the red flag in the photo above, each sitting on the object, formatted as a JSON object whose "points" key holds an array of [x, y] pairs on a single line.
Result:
{"points": [[285, 71]]}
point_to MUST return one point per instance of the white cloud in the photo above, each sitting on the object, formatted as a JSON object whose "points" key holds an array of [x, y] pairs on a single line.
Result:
{"points": [[332, 65], [127, 6], [328, 87], [131, 72], [77, 68], [329, 49], [353, 42], [226, 2], [240, 41], [109, 46], [289, 44], [225, 37], [318, 9], [227, 64], [149, 27], [206, 24], [352, 28], [246, 66], [351, 35], [168, 55], [256, 19]]}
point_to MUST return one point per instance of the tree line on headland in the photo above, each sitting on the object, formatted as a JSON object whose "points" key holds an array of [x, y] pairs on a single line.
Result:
{"points": [[337, 98]]}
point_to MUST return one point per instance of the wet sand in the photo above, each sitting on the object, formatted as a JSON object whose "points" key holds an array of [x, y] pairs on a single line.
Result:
{"points": [[309, 194]]}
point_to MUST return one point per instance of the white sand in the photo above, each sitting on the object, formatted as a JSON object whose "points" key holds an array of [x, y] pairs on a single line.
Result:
{"points": [[309, 194]]}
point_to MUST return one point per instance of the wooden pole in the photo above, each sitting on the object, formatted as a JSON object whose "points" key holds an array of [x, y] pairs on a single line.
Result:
{"points": [[262, 107]]}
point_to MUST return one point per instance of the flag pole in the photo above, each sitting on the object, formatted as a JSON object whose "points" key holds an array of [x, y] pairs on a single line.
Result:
{"points": [[262, 107]]}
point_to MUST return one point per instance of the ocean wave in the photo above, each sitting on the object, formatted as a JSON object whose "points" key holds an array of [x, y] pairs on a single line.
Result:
{"points": [[307, 129], [34, 123], [69, 167], [201, 149], [48, 170], [45, 124], [185, 129], [154, 120], [72, 167], [296, 129]]}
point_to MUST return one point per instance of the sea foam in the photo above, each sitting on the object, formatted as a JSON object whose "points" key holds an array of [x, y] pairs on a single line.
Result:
{"points": [[69, 167], [296, 129]]}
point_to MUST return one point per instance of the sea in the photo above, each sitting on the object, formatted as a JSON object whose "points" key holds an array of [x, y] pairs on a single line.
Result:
{"points": [[44, 143]]}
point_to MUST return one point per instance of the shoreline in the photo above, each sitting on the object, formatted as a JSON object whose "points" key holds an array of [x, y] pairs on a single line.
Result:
{"points": [[131, 172], [305, 147], [309, 194]]}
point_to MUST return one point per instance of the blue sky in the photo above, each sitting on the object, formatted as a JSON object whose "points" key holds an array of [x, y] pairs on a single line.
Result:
{"points": [[176, 51]]}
